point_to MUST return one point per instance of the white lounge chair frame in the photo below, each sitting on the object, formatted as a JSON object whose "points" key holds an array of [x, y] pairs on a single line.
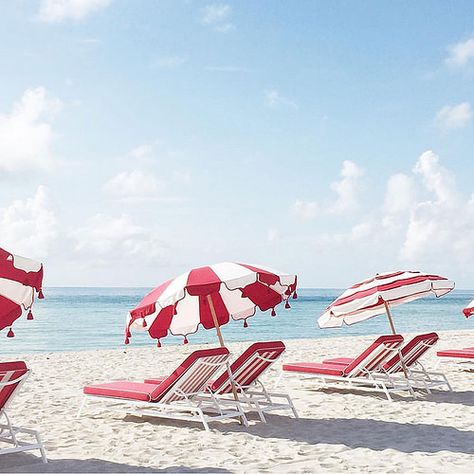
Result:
{"points": [[201, 406], [255, 396], [9, 433], [418, 376]]}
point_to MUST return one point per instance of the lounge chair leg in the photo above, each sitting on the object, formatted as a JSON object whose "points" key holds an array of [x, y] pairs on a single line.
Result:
{"points": [[42, 450], [203, 419]]}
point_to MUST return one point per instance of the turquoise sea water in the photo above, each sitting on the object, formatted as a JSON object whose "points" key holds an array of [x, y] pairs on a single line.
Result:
{"points": [[71, 319]]}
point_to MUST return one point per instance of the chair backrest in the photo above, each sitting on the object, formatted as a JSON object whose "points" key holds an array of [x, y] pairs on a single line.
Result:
{"points": [[192, 376], [374, 356], [247, 368], [12, 375], [411, 352]]}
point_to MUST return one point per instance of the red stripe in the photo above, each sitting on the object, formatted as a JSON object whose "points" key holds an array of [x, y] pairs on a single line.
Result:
{"points": [[147, 305], [202, 281]]}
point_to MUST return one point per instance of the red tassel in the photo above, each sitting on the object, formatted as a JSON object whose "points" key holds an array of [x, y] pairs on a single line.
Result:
{"points": [[185, 340], [127, 340], [128, 333], [273, 312], [144, 323], [40, 294], [11, 333], [30, 315], [295, 295], [246, 324], [287, 305], [158, 344]]}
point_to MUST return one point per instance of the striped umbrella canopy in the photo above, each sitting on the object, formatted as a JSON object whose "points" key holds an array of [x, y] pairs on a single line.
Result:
{"points": [[469, 309], [210, 296], [20, 278], [376, 295]]}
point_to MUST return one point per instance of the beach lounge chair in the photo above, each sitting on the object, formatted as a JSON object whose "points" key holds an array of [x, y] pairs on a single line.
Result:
{"points": [[12, 377], [183, 395], [459, 356], [410, 353], [363, 371], [247, 371]]}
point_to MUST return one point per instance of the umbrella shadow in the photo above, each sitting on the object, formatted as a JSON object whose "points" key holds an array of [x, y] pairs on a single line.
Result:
{"points": [[354, 433], [24, 462]]}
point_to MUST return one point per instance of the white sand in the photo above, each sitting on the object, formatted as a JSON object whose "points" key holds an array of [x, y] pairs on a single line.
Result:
{"points": [[339, 430]]}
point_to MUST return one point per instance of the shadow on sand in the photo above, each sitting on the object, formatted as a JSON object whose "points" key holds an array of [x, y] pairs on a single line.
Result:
{"points": [[376, 435], [25, 462]]}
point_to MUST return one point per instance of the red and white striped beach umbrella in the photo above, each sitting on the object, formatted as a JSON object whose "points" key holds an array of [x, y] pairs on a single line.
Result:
{"points": [[210, 296], [469, 309], [376, 295], [20, 277]]}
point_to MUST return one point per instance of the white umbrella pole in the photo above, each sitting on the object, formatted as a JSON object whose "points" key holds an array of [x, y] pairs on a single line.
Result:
{"points": [[221, 340]]}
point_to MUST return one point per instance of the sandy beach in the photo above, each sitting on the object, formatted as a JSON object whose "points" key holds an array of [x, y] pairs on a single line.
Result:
{"points": [[339, 429]]}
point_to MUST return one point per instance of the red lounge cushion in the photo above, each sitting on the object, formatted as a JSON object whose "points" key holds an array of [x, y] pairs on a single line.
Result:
{"points": [[460, 353], [392, 340], [421, 343], [275, 347], [314, 368], [122, 389], [151, 392], [339, 361], [14, 370]]}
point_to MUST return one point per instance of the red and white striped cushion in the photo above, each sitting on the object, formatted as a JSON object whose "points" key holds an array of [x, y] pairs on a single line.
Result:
{"points": [[10, 372]]}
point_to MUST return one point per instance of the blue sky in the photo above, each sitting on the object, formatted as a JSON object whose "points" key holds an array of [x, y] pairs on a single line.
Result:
{"points": [[330, 139]]}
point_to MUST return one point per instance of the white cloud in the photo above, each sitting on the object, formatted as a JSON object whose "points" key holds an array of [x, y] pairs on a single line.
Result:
{"points": [[306, 209], [273, 235], [29, 227], [436, 178], [141, 151], [440, 228], [400, 193], [134, 185], [347, 188], [169, 62], [26, 135], [117, 239], [273, 98], [55, 11], [454, 116], [461, 53], [217, 16]]}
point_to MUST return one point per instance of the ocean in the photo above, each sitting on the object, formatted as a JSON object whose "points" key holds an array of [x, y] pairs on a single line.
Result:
{"points": [[74, 319]]}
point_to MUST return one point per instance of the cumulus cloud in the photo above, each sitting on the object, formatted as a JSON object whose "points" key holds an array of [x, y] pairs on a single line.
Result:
{"points": [[29, 227], [451, 117], [273, 98], [347, 188], [400, 193], [461, 53], [217, 16], [117, 239], [436, 178], [56, 11], [26, 134], [134, 185], [442, 226], [306, 209]]}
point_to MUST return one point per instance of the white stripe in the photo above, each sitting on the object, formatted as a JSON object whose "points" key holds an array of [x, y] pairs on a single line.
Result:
{"points": [[16, 292]]}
